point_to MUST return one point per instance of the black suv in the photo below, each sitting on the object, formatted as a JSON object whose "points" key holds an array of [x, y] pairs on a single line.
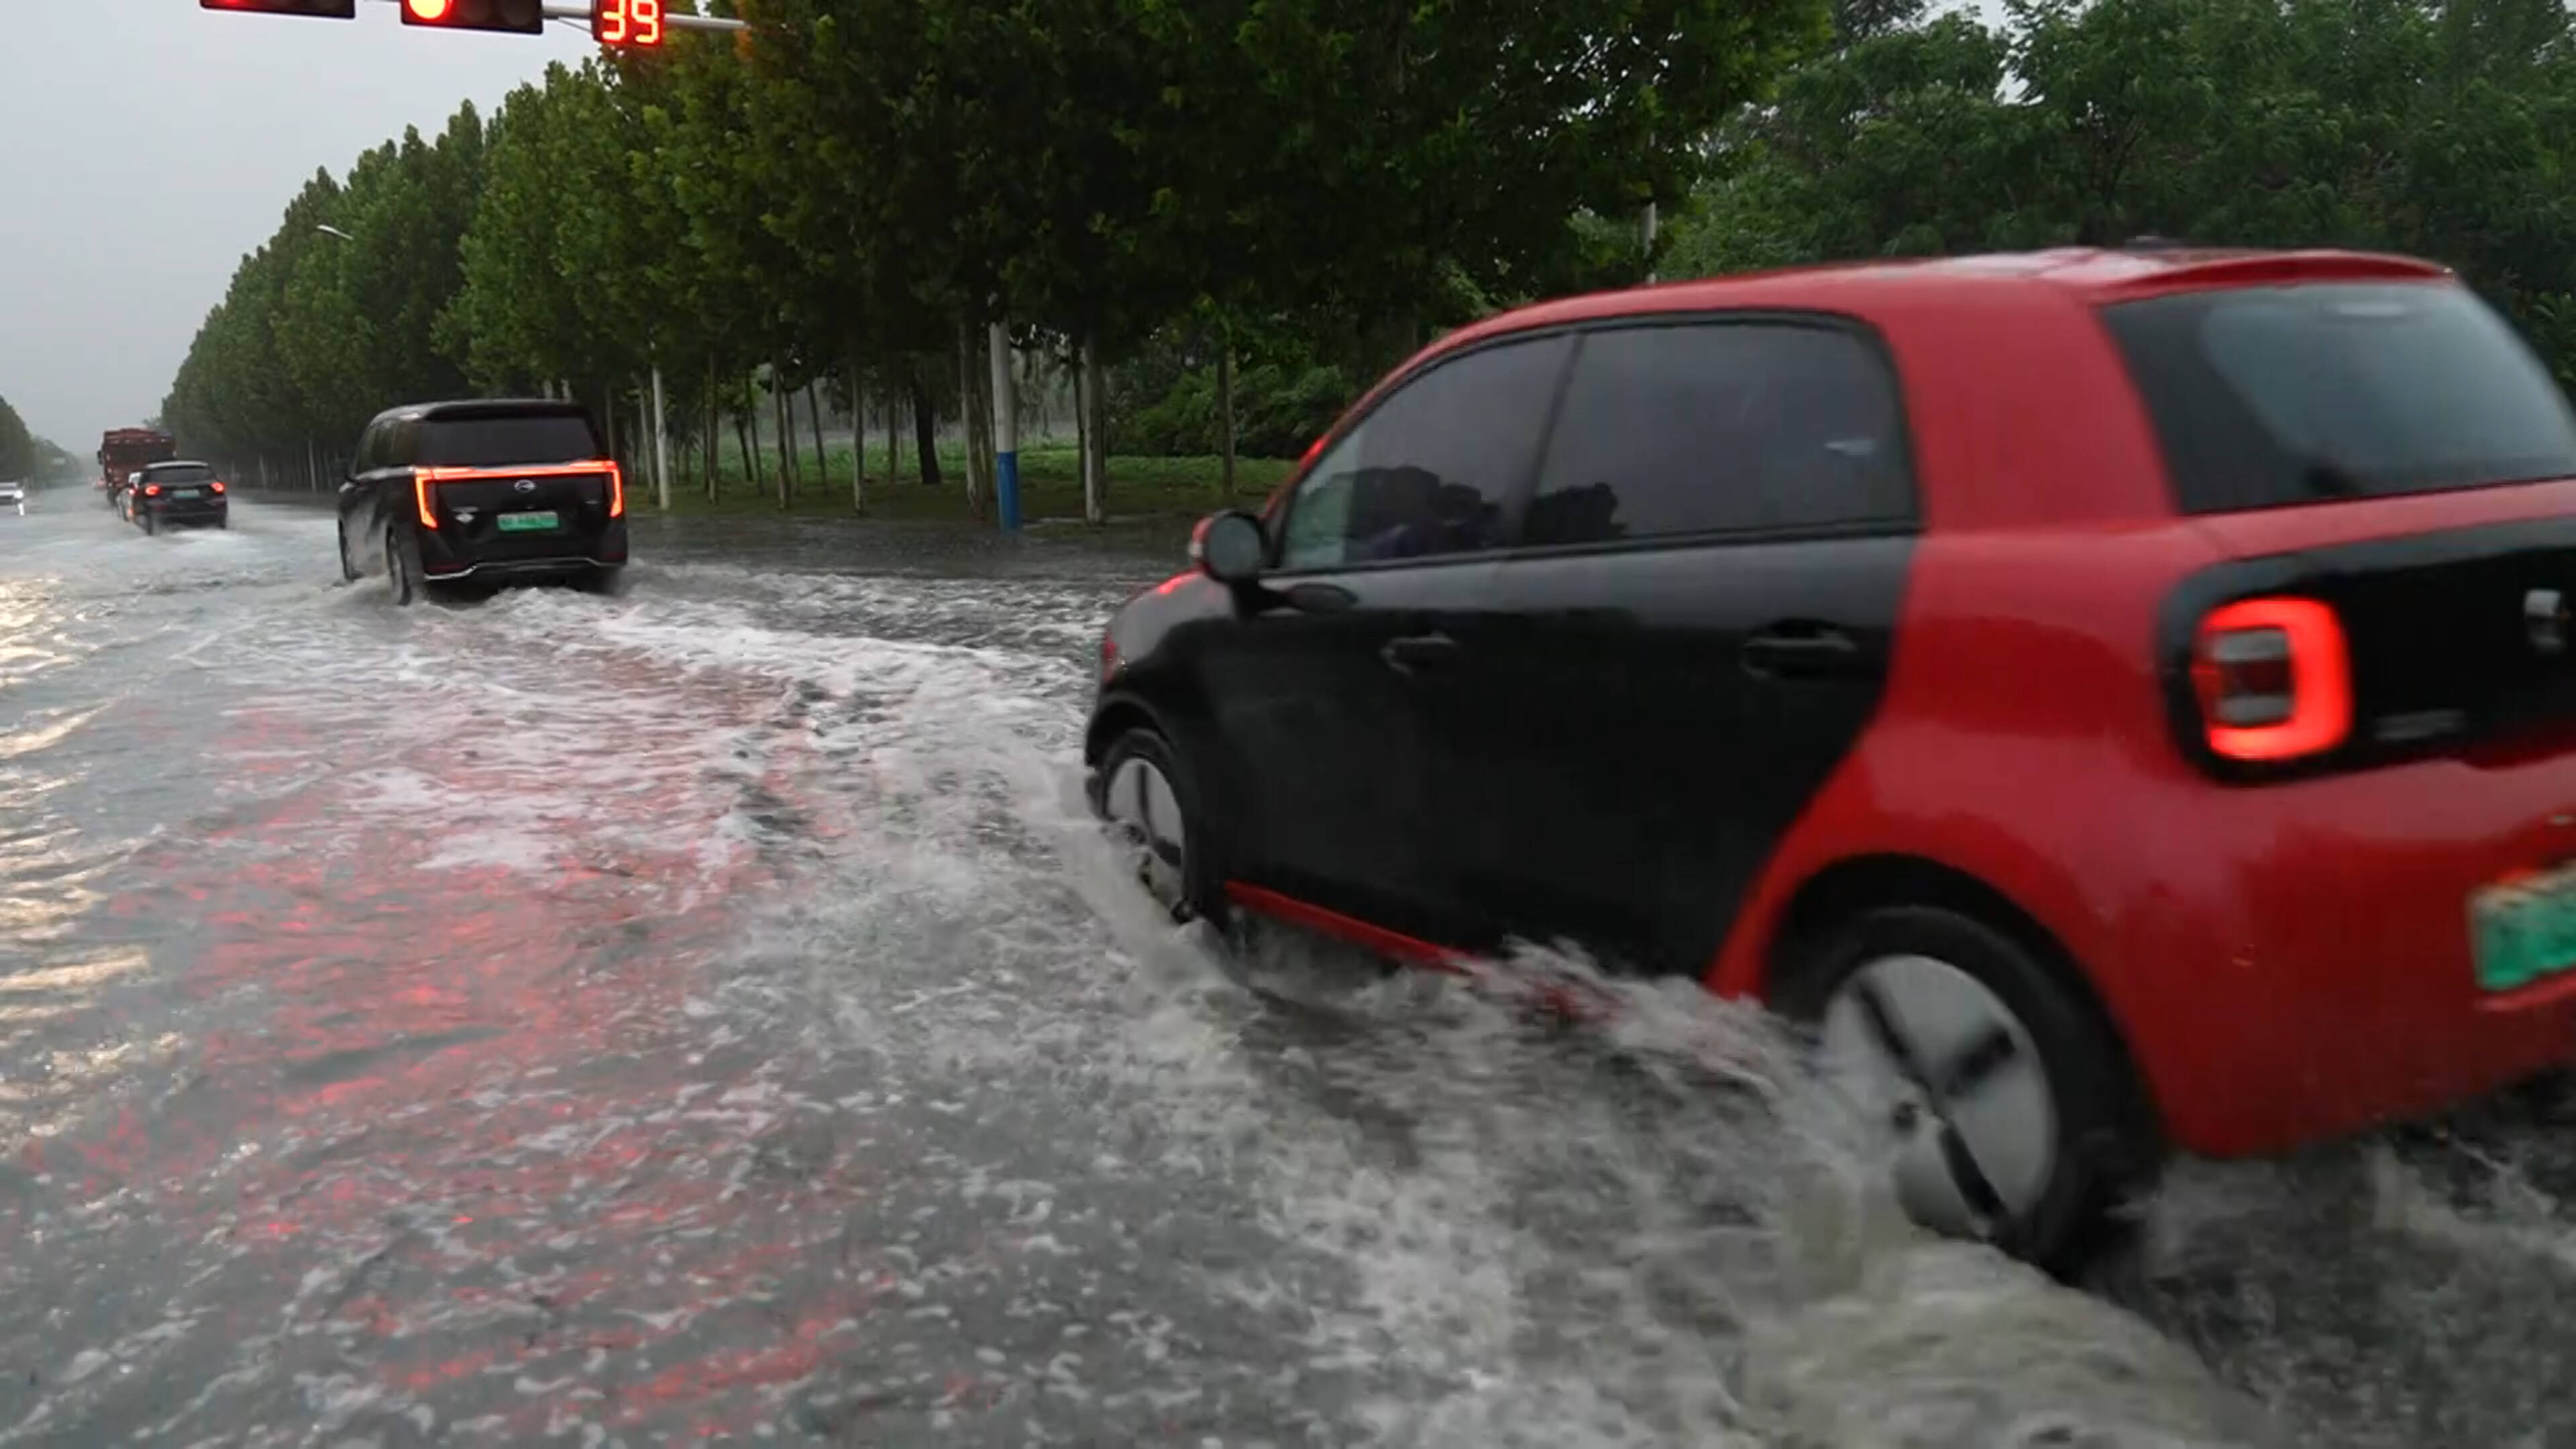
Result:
{"points": [[493, 490], [167, 494]]}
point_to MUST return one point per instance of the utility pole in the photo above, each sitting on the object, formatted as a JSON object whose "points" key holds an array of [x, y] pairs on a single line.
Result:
{"points": [[1006, 433], [661, 446]]}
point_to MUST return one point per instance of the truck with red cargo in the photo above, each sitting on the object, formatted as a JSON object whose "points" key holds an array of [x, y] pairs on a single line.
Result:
{"points": [[125, 451]]}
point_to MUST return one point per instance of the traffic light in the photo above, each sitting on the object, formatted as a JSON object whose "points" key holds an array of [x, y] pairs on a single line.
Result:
{"points": [[325, 9], [519, 17], [633, 24]]}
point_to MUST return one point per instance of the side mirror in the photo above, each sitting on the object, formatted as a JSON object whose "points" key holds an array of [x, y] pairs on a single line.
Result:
{"points": [[1230, 547]]}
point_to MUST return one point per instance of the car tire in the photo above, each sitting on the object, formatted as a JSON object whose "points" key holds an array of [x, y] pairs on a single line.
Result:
{"points": [[349, 573], [1150, 801], [402, 566], [151, 524], [2008, 1108]]}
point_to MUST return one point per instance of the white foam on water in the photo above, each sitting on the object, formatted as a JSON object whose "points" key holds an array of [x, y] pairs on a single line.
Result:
{"points": [[1529, 1258]]}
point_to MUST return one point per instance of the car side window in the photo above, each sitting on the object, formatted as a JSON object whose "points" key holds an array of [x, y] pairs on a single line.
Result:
{"points": [[371, 451], [1432, 468], [1710, 426]]}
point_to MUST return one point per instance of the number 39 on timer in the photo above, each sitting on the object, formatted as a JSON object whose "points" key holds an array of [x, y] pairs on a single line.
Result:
{"points": [[626, 22]]}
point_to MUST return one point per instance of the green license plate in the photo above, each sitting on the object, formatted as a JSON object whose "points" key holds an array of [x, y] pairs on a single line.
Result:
{"points": [[186, 493], [525, 522], [2523, 931]]}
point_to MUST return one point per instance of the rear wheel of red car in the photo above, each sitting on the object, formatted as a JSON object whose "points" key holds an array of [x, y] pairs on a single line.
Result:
{"points": [[1151, 803], [2003, 1104]]}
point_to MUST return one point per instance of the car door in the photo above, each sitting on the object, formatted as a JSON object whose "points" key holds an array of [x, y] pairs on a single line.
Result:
{"points": [[1333, 684], [1694, 633], [356, 505]]}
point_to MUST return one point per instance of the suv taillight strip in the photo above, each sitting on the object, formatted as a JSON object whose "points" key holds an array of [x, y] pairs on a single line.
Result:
{"points": [[421, 478], [2274, 679]]}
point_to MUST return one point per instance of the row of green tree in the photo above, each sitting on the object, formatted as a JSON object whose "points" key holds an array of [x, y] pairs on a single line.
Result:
{"points": [[1217, 220], [23, 455]]}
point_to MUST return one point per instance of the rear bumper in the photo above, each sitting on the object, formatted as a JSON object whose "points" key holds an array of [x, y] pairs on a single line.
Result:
{"points": [[192, 511], [447, 553], [2297, 963]]}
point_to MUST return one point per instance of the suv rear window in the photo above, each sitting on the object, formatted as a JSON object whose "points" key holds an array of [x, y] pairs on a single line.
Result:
{"points": [[2265, 396], [178, 473], [496, 441]]}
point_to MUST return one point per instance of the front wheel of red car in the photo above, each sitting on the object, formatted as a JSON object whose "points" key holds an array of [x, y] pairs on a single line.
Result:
{"points": [[2002, 1104], [1146, 794]]}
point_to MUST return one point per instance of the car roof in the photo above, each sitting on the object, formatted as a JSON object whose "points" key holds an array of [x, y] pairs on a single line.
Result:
{"points": [[176, 463], [484, 407], [2096, 275]]}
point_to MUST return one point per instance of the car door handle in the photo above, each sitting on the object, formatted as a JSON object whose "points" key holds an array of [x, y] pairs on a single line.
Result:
{"points": [[1789, 651], [1418, 651]]}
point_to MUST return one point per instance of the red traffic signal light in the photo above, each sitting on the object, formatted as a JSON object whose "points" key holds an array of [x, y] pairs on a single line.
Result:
{"points": [[519, 17], [631, 23], [324, 9]]}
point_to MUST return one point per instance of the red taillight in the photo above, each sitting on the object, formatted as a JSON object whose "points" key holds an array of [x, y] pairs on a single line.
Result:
{"points": [[151, 490], [616, 491], [2274, 679], [219, 485], [420, 481]]}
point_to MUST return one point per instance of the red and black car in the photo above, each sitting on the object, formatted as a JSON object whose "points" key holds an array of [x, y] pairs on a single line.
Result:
{"points": [[2124, 700], [485, 491]]}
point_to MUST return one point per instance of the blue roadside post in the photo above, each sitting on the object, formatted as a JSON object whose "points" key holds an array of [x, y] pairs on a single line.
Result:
{"points": [[1006, 434]]}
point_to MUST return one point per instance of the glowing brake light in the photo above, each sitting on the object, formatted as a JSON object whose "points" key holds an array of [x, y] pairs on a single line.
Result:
{"points": [[219, 485], [422, 478], [151, 490], [2274, 679]]}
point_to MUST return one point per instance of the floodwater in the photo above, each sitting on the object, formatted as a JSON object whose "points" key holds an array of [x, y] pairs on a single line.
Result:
{"points": [[708, 1013]]}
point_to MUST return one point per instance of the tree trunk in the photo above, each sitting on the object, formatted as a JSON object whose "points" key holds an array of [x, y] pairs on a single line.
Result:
{"points": [[822, 454], [782, 411], [608, 416], [858, 439], [745, 431], [925, 428], [1225, 408], [894, 434], [974, 419], [715, 432], [1095, 451], [1081, 416]]}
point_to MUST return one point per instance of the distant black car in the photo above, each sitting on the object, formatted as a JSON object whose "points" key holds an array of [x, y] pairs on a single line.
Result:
{"points": [[166, 495], [494, 490]]}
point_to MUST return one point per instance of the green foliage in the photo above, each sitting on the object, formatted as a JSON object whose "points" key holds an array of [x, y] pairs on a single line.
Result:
{"points": [[22, 455], [851, 188], [1309, 189], [2447, 130]]}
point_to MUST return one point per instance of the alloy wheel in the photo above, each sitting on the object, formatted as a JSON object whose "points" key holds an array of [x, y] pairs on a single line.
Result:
{"points": [[1146, 811], [1937, 1061]]}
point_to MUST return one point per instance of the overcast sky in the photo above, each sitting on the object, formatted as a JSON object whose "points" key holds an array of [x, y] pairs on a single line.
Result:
{"points": [[145, 145]]}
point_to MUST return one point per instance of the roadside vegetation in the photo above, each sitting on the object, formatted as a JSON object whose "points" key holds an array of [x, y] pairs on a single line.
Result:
{"points": [[23, 455], [1208, 227]]}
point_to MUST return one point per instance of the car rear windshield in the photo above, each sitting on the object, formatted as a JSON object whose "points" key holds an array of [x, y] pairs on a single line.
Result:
{"points": [[177, 473], [2265, 396], [497, 441]]}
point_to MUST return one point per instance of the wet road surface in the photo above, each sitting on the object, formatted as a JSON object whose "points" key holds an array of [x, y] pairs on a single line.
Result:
{"points": [[707, 1014]]}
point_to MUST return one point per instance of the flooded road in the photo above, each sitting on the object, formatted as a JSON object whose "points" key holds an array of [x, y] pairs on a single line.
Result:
{"points": [[707, 1014]]}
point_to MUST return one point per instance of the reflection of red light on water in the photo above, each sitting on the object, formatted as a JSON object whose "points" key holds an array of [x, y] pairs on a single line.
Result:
{"points": [[390, 1037]]}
